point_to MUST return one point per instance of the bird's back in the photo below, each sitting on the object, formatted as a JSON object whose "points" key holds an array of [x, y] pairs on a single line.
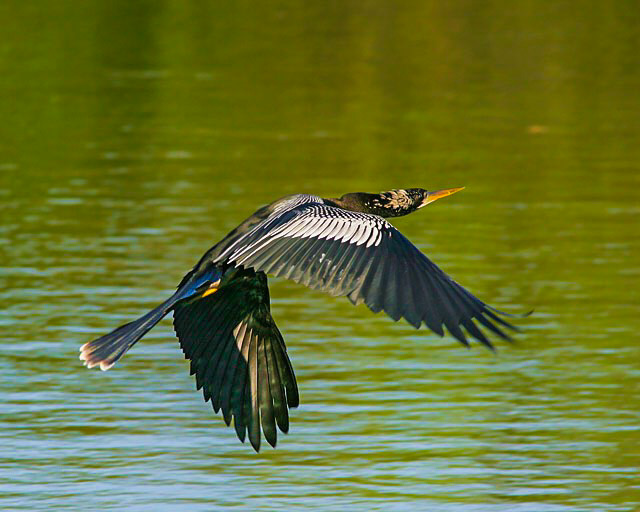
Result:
{"points": [[279, 206]]}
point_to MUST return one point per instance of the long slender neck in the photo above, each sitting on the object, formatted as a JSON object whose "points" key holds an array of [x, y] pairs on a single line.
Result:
{"points": [[356, 202], [394, 203]]}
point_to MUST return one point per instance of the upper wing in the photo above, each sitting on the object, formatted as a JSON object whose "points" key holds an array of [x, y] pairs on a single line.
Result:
{"points": [[365, 258], [239, 357]]}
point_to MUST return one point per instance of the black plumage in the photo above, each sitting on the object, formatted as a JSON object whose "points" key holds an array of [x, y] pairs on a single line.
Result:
{"points": [[341, 246], [238, 355]]}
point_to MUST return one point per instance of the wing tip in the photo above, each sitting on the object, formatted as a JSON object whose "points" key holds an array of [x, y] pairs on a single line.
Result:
{"points": [[272, 440], [510, 315], [255, 442]]}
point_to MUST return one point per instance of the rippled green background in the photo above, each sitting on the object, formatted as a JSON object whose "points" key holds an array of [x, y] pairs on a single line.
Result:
{"points": [[133, 135]]}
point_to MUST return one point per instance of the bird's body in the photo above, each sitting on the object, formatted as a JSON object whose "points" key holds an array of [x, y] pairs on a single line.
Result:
{"points": [[342, 246]]}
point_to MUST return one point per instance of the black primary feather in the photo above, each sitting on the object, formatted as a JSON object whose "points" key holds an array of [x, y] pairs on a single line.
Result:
{"points": [[370, 261], [239, 356]]}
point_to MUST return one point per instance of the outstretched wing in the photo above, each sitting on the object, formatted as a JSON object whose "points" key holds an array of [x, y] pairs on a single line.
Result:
{"points": [[365, 258], [239, 357]]}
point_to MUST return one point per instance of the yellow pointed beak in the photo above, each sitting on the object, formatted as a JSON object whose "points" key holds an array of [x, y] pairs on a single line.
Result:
{"points": [[439, 194]]}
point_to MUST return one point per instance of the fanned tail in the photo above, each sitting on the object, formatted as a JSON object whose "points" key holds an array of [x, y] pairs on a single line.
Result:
{"points": [[107, 349]]}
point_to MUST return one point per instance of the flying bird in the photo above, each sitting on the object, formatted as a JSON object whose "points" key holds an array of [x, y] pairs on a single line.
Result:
{"points": [[346, 247]]}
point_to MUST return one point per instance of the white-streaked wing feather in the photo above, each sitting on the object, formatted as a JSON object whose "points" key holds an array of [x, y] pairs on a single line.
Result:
{"points": [[365, 258]]}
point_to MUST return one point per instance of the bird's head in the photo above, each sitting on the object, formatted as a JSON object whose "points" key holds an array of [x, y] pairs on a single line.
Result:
{"points": [[394, 203]]}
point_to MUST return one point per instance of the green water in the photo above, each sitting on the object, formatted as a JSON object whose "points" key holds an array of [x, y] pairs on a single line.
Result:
{"points": [[135, 134]]}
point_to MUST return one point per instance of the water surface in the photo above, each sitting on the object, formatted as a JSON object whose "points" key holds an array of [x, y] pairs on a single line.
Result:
{"points": [[134, 136]]}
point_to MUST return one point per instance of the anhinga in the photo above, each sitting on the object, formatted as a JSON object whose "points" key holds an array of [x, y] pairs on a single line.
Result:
{"points": [[342, 246]]}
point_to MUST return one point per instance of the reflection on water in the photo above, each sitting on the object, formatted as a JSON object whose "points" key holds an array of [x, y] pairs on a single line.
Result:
{"points": [[135, 135]]}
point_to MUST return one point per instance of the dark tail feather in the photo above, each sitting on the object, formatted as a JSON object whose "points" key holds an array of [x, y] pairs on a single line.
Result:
{"points": [[106, 350]]}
